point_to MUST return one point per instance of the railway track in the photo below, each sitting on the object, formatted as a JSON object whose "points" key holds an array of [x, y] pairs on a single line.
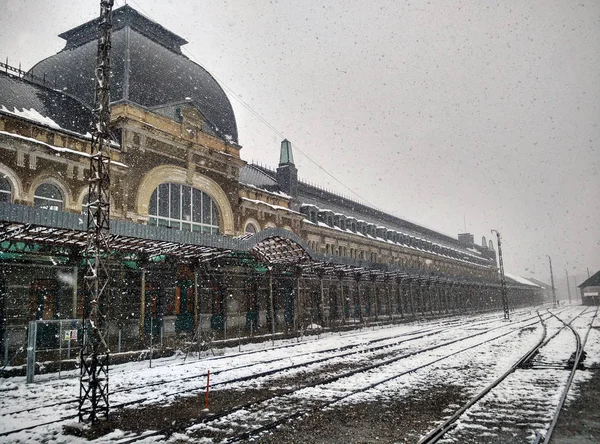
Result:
{"points": [[515, 406], [364, 348], [259, 416]]}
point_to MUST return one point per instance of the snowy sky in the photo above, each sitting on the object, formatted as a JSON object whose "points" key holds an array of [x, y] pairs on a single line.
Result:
{"points": [[441, 112]]}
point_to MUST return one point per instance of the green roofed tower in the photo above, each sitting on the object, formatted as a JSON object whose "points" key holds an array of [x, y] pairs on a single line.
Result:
{"points": [[287, 173]]}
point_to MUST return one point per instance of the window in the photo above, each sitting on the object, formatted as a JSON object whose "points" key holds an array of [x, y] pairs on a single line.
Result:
{"points": [[250, 228], [86, 203], [5, 190], [48, 197], [84, 208], [183, 208]]}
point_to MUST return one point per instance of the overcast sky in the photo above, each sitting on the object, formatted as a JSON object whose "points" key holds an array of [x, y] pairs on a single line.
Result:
{"points": [[445, 113]]}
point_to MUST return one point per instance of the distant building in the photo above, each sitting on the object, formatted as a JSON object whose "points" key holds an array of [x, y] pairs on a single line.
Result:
{"points": [[203, 241], [590, 290], [546, 289]]}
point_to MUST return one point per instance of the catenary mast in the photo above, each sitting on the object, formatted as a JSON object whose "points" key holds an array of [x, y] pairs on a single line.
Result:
{"points": [[93, 388], [502, 278]]}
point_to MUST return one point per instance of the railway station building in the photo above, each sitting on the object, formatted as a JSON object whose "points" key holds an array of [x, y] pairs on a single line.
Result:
{"points": [[203, 242]]}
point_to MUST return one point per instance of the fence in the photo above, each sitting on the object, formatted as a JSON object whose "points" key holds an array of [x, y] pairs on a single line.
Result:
{"points": [[55, 340]]}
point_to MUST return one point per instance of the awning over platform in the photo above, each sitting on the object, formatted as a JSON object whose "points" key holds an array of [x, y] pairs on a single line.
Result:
{"points": [[271, 247]]}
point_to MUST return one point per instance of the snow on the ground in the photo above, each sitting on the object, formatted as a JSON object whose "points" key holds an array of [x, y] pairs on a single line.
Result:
{"points": [[471, 369]]}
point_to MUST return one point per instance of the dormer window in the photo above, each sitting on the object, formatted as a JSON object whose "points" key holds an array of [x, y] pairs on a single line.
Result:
{"points": [[371, 230], [351, 224]]}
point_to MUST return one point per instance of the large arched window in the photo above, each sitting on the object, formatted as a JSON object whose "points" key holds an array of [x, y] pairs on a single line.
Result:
{"points": [[184, 208], [85, 203], [48, 197], [5, 190]]}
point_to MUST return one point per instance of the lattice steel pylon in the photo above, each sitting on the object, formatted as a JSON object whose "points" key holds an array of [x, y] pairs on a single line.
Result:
{"points": [[94, 358], [502, 278]]}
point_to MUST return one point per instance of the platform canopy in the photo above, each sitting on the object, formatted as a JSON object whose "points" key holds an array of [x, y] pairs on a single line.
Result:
{"points": [[273, 247]]}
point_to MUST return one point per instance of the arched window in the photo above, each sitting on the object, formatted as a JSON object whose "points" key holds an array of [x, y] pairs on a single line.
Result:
{"points": [[184, 208], [250, 228], [85, 203], [5, 190], [48, 197]]}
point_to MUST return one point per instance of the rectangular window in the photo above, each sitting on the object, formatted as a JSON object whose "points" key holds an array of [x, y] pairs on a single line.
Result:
{"points": [[205, 209], [175, 200], [152, 207], [163, 200], [197, 205], [186, 204], [214, 213]]}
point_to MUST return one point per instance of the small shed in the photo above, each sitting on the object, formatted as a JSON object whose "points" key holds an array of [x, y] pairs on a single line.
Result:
{"points": [[590, 290]]}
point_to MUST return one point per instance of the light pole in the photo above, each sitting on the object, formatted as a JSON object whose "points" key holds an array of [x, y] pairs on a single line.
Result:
{"points": [[568, 286], [552, 282], [502, 279]]}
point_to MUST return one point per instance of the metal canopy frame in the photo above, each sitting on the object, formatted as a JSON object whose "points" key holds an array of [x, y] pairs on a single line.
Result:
{"points": [[272, 247]]}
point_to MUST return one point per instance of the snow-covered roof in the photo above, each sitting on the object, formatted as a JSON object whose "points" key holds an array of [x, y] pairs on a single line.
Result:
{"points": [[43, 106], [274, 207], [520, 280]]}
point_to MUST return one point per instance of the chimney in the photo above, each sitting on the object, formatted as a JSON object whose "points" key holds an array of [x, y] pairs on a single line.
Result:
{"points": [[287, 173], [466, 239]]}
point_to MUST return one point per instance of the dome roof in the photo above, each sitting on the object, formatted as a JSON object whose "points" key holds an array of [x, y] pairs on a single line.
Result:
{"points": [[148, 69]]}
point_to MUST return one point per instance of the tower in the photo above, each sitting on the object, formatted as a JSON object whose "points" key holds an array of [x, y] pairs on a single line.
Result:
{"points": [[287, 173]]}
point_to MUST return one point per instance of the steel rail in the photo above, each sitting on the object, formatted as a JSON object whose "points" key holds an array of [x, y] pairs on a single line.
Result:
{"points": [[241, 379], [442, 429], [578, 358], [274, 371], [244, 436], [429, 331], [330, 380], [437, 433]]}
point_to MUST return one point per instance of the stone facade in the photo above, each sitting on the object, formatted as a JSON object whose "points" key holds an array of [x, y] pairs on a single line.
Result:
{"points": [[174, 169]]}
